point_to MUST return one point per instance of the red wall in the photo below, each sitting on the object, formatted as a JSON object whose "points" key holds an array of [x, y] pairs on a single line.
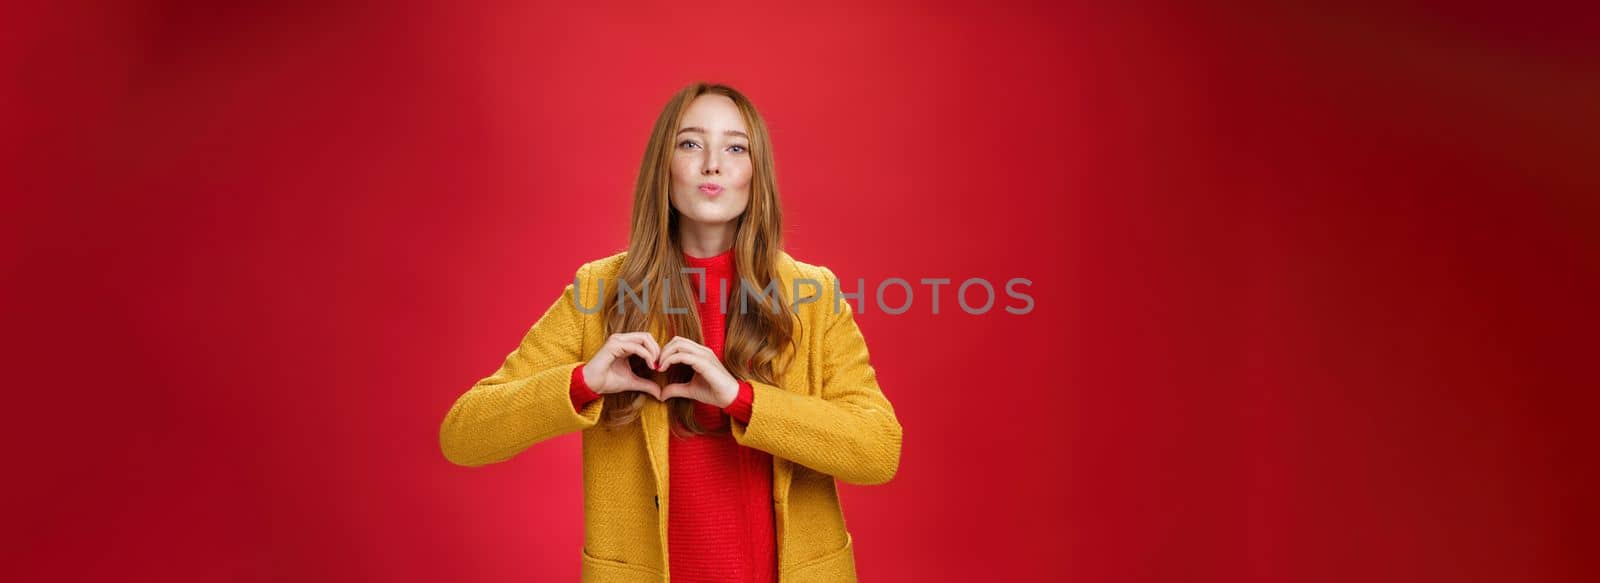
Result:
{"points": [[1314, 286]]}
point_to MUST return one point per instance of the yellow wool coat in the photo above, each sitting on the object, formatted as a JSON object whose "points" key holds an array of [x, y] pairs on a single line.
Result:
{"points": [[824, 418]]}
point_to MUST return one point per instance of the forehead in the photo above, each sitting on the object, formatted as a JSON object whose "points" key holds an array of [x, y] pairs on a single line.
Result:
{"points": [[713, 112]]}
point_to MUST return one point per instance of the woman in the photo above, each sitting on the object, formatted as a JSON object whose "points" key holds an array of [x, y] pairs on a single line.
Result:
{"points": [[712, 435]]}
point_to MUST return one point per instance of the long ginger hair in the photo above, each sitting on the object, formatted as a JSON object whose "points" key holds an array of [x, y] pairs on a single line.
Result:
{"points": [[756, 337]]}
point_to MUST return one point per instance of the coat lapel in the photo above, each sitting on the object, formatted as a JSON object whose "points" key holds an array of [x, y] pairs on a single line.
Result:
{"points": [[653, 420], [788, 272]]}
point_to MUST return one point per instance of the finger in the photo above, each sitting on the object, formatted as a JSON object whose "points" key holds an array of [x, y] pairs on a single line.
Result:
{"points": [[618, 347], [702, 349], [647, 387], [632, 335], [668, 357], [686, 342], [682, 390], [611, 355], [673, 346], [692, 346], [626, 348], [695, 361], [608, 352], [643, 339], [676, 390], [644, 352], [648, 341]]}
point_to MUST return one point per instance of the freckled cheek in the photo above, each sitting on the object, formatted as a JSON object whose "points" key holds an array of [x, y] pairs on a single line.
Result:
{"points": [[681, 171], [743, 177]]}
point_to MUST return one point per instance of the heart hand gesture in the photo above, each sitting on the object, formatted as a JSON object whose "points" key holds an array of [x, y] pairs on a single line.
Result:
{"points": [[712, 383]]}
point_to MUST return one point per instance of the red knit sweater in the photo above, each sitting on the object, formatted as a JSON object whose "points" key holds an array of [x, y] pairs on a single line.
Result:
{"points": [[719, 524]]}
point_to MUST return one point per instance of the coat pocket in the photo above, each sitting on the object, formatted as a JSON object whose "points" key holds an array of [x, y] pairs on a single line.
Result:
{"points": [[833, 567], [598, 570]]}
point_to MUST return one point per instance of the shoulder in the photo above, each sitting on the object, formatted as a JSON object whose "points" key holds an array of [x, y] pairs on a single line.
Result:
{"points": [[592, 276], [604, 267], [820, 295], [798, 269]]}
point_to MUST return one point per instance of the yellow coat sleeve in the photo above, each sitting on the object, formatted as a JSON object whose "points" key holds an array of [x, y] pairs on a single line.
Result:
{"points": [[527, 400], [850, 430]]}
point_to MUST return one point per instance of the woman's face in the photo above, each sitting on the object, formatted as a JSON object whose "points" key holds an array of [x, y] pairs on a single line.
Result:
{"points": [[711, 162]]}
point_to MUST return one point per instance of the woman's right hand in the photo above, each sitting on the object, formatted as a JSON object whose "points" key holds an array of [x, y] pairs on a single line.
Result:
{"points": [[609, 371]]}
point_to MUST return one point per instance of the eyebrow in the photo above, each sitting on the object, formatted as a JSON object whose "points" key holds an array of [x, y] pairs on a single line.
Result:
{"points": [[735, 133]]}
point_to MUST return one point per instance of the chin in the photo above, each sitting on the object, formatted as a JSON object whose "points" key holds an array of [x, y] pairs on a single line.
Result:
{"points": [[712, 218], [707, 211]]}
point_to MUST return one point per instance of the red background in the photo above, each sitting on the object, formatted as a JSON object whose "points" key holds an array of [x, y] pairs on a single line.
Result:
{"points": [[1314, 285]]}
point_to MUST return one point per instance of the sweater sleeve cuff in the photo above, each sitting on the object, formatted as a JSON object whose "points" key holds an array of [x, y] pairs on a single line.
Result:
{"points": [[581, 394], [742, 404]]}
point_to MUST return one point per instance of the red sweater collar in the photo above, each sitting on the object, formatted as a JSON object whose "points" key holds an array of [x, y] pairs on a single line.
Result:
{"points": [[718, 266]]}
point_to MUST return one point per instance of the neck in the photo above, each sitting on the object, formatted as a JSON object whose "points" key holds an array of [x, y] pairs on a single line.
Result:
{"points": [[705, 239]]}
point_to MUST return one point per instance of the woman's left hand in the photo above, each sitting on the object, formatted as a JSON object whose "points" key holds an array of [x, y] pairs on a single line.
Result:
{"points": [[712, 383]]}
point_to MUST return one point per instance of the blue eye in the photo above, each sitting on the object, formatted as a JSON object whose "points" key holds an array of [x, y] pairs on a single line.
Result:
{"points": [[741, 148], [687, 142]]}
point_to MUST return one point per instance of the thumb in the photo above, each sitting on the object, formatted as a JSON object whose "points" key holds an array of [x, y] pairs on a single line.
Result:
{"points": [[674, 390], [647, 387]]}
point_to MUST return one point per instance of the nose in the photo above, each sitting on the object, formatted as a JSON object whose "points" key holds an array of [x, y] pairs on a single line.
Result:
{"points": [[712, 167]]}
